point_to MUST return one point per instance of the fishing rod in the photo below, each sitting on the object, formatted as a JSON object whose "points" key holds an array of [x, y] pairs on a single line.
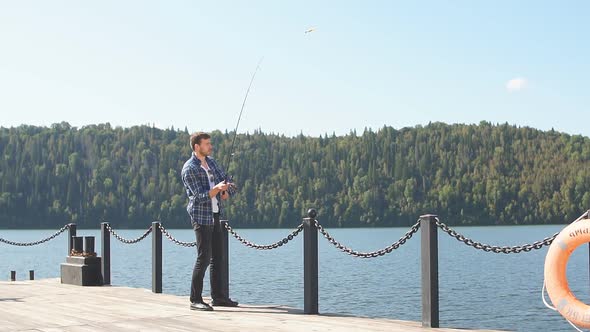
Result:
{"points": [[229, 157]]}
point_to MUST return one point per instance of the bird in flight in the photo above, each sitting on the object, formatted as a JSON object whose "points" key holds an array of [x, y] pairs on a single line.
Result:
{"points": [[310, 30]]}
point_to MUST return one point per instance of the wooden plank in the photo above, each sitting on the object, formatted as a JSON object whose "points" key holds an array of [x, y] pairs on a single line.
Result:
{"points": [[47, 306]]}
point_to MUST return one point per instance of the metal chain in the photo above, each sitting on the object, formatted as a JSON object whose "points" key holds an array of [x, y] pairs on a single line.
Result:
{"points": [[29, 244], [371, 254], [128, 241], [496, 249], [178, 242], [275, 245]]}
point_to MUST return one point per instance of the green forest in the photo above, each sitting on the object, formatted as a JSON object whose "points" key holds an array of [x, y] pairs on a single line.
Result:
{"points": [[482, 174]]}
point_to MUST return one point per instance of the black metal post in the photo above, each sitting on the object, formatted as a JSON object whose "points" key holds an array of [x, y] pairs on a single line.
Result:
{"points": [[71, 233], [225, 260], [310, 264], [429, 253], [31, 275], [156, 257], [12, 275], [105, 248]]}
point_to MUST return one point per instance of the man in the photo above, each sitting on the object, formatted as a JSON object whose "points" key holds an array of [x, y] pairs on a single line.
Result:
{"points": [[204, 182]]}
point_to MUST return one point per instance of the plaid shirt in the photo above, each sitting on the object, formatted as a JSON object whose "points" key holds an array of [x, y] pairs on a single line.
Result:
{"points": [[196, 184]]}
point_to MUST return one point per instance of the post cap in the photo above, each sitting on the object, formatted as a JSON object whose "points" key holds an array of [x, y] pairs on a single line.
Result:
{"points": [[426, 216], [312, 213]]}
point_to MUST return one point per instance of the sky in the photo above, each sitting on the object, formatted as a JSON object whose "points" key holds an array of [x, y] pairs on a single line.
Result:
{"points": [[367, 64]]}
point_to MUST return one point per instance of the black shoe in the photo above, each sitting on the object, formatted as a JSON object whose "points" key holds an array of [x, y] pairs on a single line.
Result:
{"points": [[200, 306], [224, 303]]}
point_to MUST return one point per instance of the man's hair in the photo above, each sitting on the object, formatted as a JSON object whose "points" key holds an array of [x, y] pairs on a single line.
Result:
{"points": [[197, 137]]}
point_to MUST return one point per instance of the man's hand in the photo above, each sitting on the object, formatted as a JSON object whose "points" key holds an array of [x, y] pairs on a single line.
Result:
{"points": [[221, 186], [224, 195]]}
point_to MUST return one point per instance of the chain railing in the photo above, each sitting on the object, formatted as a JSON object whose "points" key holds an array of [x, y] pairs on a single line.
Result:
{"points": [[128, 241], [496, 249], [372, 254], [174, 240], [413, 229], [241, 239], [30, 244], [271, 246], [501, 249]]}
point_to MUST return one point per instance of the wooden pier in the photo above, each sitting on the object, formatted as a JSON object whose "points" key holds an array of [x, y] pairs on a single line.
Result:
{"points": [[47, 305]]}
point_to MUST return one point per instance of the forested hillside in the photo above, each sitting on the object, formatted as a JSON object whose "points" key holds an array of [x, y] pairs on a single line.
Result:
{"points": [[468, 174]]}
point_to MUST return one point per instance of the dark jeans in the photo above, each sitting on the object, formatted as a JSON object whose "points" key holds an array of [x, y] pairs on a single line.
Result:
{"points": [[209, 251]]}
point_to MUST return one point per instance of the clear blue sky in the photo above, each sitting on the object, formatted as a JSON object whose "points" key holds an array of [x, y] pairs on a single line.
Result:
{"points": [[368, 64]]}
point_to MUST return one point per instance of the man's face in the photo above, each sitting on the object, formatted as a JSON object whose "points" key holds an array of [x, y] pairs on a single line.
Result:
{"points": [[205, 148]]}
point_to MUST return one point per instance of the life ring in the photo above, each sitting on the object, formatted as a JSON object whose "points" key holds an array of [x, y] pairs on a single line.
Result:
{"points": [[571, 237]]}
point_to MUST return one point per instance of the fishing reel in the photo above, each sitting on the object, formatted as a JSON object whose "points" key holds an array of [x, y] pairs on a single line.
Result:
{"points": [[229, 179]]}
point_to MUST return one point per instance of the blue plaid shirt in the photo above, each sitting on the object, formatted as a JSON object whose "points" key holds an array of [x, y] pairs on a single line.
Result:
{"points": [[196, 184]]}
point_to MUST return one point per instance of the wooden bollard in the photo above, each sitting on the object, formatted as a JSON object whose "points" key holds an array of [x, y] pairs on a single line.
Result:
{"points": [[78, 244], [89, 245], [12, 275], [31, 274]]}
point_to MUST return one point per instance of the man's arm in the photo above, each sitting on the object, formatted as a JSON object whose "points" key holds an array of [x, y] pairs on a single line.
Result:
{"points": [[200, 194]]}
